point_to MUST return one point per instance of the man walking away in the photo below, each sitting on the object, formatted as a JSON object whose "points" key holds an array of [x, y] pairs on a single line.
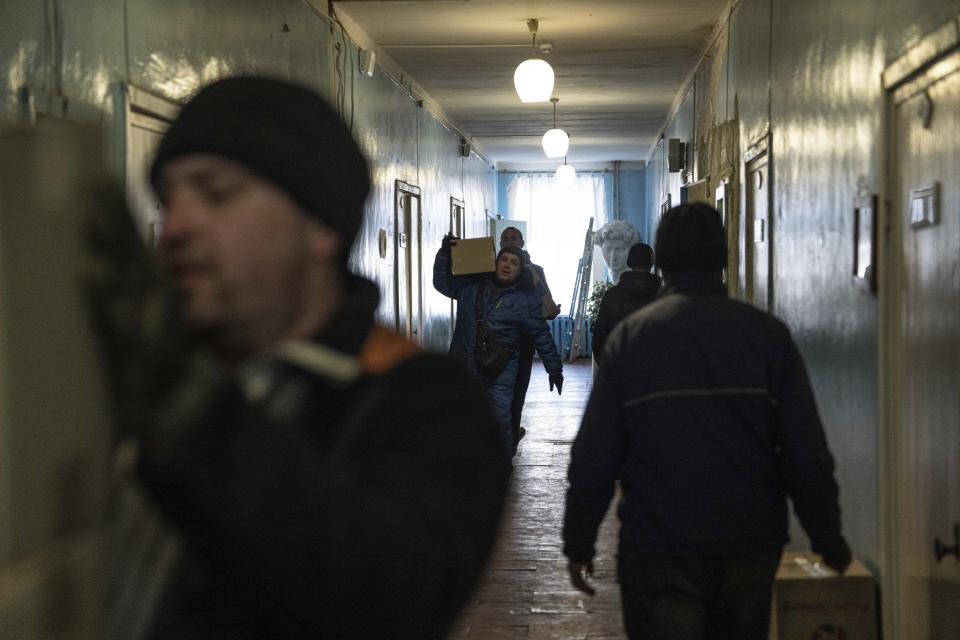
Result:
{"points": [[704, 413], [512, 237], [636, 288]]}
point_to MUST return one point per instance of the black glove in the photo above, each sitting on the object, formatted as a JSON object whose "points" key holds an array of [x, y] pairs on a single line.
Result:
{"points": [[836, 555], [448, 241], [556, 380], [148, 356]]}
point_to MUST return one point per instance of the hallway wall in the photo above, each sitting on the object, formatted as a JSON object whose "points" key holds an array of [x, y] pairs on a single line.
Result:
{"points": [[809, 74], [69, 54], [633, 199]]}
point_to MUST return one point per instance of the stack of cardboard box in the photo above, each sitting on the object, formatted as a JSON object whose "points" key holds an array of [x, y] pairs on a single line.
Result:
{"points": [[813, 602]]}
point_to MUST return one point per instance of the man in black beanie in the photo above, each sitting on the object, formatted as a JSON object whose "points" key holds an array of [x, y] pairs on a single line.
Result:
{"points": [[704, 413], [326, 479], [636, 288]]}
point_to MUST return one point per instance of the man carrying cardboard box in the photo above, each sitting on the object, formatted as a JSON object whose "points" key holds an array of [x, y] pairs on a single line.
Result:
{"points": [[495, 311], [512, 237]]}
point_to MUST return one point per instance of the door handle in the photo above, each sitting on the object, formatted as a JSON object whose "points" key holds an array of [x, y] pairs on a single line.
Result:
{"points": [[942, 550]]}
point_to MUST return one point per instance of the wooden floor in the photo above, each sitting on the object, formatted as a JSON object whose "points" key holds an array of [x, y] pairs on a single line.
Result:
{"points": [[526, 592]]}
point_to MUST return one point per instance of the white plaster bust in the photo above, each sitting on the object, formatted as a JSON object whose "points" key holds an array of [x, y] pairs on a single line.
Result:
{"points": [[615, 239]]}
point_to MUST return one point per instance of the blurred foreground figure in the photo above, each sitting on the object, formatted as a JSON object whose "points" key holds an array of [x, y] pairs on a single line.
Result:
{"points": [[703, 410], [326, 479]]}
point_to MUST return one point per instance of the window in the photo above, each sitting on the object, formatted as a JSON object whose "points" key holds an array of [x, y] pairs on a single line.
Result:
{"points": [[557, 219]]}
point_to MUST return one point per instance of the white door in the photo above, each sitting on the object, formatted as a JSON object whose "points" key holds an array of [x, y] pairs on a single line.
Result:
{"points": [[922, 373], [757, 230], [408, 262], [457, 215]]}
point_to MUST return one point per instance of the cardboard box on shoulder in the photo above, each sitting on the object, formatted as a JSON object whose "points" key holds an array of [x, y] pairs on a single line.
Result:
{"points": [[812, 602], [473, 255]]}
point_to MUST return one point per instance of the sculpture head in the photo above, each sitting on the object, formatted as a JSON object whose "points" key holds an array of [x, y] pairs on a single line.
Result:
{"points": [[615, 239]]}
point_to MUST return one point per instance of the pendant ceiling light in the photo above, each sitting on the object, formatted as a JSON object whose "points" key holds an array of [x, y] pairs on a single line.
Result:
{"points": [[566, 175], [555, 141], [534, 77]]}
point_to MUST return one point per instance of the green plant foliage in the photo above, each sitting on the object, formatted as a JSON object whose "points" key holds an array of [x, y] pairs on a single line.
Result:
{"points": [[596, 294]]}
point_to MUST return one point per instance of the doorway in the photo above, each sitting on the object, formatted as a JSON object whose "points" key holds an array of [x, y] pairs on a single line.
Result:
{"points": [[142, 119], [757, 227], [457, 208], [920, 356], [408, 269]]}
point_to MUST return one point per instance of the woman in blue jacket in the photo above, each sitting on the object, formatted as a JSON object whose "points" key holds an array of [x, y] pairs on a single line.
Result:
{"points": [[509, 308]]}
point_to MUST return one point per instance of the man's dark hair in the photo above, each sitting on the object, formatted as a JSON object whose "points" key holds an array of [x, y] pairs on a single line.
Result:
{"points": [[691, 237], [640, 256], [512, 250], [520, 233]]}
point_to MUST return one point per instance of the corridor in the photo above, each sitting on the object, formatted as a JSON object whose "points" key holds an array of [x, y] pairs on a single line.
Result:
{"points": [[526, 592], [824, 134]]}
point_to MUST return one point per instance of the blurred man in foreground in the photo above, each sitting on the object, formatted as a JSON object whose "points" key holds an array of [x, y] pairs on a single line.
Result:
{"points": [[325, 477]]}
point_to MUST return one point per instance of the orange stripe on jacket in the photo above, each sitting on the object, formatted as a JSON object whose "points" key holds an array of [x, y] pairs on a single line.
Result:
{"points": [[383, 350]]}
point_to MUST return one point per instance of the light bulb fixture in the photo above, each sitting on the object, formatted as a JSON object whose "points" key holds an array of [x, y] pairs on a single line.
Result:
{"points": [[533, 78], [556, 142], [566, 174]]}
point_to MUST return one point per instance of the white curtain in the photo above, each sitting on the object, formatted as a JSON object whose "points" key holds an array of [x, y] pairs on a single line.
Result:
{"points": [[557, 219]]}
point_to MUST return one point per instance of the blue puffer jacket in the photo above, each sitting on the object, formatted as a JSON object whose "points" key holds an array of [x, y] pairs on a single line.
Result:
{"points": [[508, 312]]}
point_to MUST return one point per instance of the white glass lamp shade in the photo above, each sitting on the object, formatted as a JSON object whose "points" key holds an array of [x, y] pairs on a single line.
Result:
{"points": [[533, 80], [566, 175], [555, 143]]}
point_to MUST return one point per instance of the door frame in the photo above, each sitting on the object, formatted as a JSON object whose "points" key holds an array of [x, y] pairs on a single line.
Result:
{"points": [[136, 108], [760, 146], [927, 52], [405, 189]]}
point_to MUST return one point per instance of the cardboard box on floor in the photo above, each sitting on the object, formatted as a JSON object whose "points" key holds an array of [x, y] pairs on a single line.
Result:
{"points": [[812, 602], [473, 255]]}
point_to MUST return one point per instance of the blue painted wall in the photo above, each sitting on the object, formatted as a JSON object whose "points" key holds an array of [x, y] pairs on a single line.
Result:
{"points": [[818, 84], [171, 48], [633, 205]]}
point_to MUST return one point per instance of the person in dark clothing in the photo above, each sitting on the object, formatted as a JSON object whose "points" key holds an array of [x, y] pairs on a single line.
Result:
{"points": [[708, 437], [512, 237], [636, 288], [511, 311], [324, 478]]}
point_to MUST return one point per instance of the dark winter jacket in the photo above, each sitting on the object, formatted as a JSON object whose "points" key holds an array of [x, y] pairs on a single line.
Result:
{"points": [[540, 287], [635, 289], [704, 413], [347, 487], [509, 312]]}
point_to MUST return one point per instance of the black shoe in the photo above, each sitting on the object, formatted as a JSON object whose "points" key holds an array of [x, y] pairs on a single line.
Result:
{"points": [[522, 433]]}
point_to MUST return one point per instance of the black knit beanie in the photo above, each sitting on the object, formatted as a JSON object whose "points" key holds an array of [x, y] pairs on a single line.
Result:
{"points": [[691, 238], [284, 132], [640, 256], [517, 251]]}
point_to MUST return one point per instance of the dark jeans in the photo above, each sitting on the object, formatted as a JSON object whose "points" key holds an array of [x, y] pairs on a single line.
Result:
{"points": [[697, 597], [526, 348]]}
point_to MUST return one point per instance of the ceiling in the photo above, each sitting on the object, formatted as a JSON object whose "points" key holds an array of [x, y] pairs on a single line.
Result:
{"points": [[618, 63]]}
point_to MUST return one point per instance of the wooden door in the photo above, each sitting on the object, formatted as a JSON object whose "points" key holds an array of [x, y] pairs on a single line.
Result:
{"points": [[922, 374], [757, 286]]}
